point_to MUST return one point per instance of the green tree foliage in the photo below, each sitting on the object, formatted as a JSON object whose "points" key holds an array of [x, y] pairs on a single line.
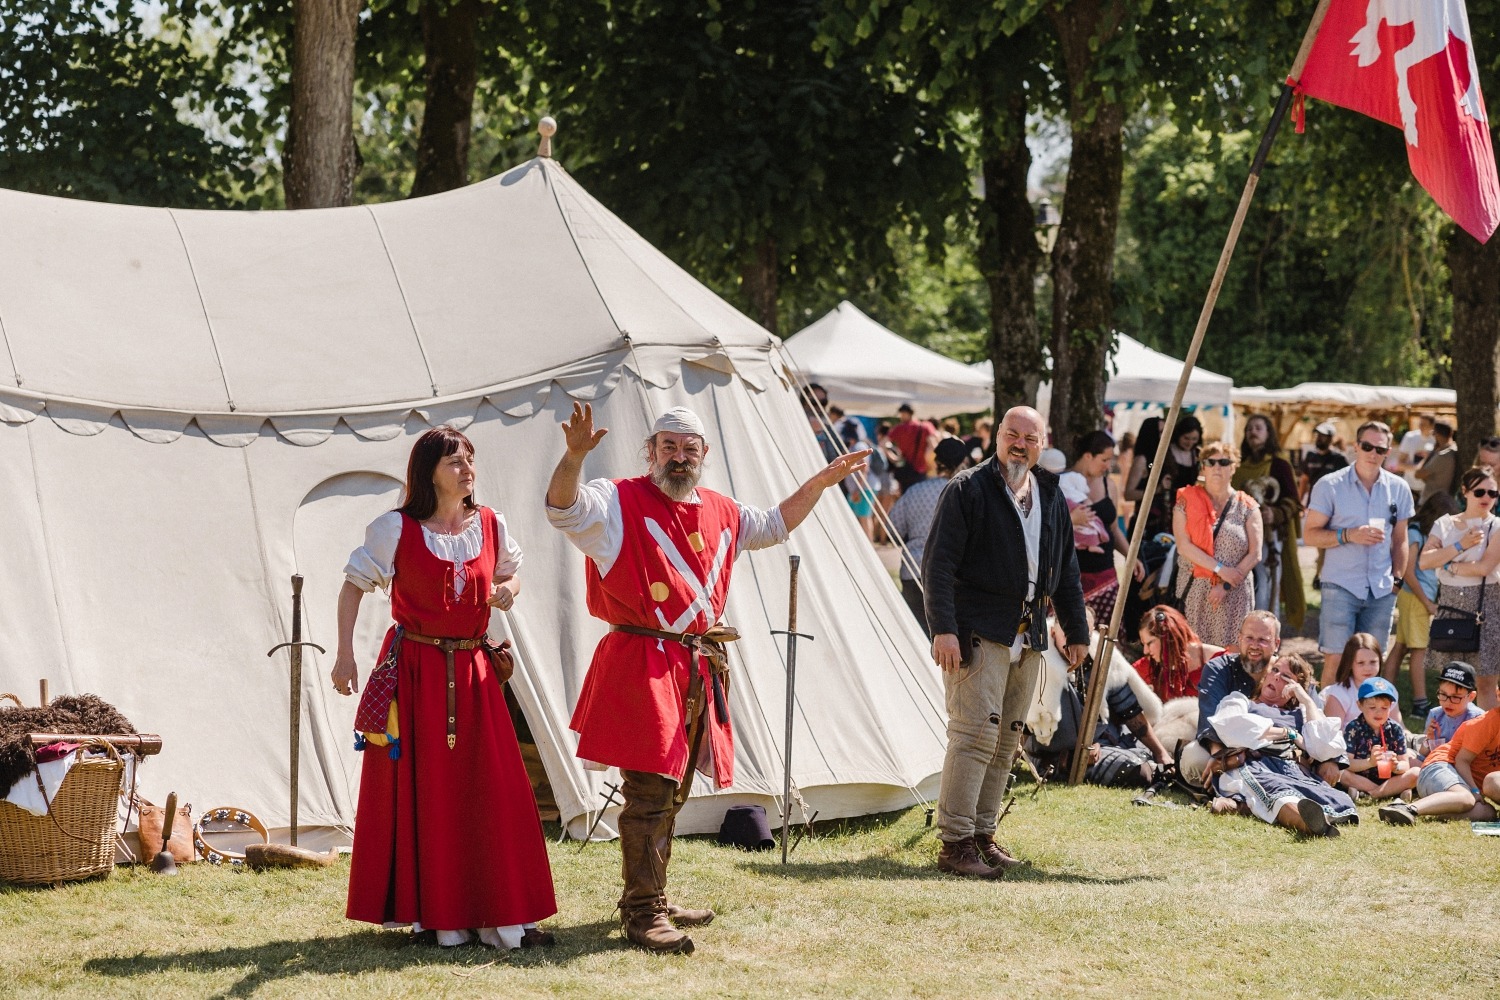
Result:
{"points": [[118, 101], [1338, 275], [720, 134]]}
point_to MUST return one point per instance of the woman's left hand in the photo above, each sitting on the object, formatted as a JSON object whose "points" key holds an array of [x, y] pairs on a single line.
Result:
{"points": [[501, 597], [1231, 575], [1140, 571]]}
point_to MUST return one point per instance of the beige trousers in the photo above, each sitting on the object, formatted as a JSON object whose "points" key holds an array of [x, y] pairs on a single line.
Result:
{"points": [[987, 703]]}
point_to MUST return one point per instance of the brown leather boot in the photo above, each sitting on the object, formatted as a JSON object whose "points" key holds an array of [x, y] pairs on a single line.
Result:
{"points": [[645, 823], [993, 854], [962, 858], [649, 928], [684, 917]]}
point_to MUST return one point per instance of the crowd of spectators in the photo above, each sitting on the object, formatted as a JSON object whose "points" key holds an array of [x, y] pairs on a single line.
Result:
{"points": [[1218, 579]]}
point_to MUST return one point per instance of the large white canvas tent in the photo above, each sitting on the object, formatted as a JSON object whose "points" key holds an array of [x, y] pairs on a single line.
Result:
{"points": [[197, 405], [869, 370]]}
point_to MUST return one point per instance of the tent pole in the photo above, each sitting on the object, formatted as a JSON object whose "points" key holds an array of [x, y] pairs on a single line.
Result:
{"points": [[1110, 636]]}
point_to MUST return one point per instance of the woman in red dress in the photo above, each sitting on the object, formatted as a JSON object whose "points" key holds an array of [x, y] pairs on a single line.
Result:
{"points": [[447, 836], [1174, 654]]}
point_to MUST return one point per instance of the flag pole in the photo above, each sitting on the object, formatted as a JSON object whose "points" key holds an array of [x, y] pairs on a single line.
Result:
{"points": [[1108, 637]]}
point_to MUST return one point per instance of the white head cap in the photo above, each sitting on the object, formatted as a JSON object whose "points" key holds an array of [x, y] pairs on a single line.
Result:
{"points": [[679, 420], [1054, 461]]}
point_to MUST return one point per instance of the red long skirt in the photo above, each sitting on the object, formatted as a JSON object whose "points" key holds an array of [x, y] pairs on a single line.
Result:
{"points": [[449, 838]]}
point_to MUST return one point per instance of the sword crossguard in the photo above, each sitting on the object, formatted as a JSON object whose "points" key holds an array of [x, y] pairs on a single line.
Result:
{"points": [[285, 645], [800, 635]]}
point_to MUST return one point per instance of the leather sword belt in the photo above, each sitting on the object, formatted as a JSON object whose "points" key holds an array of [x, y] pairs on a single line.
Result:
{"points": [[447, 646], [708, 646]]}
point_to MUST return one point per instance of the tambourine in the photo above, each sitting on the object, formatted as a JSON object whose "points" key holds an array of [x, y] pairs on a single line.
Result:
{"points": [[226, 814]]}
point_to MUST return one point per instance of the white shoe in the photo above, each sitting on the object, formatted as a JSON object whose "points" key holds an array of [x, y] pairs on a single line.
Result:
{"points": [[452, 939], [504, 938]]}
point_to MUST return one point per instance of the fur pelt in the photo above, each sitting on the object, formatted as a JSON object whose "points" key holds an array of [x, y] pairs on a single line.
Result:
{"points": [[68, 713], [1179, 722], [1046, 705]]}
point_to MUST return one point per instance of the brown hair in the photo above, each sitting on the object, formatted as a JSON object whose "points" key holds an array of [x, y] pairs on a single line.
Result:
{"points": [[1474, 477], [1357, 641], [1216, 448], [1273, 440], [1374, 425], [430, 449]]}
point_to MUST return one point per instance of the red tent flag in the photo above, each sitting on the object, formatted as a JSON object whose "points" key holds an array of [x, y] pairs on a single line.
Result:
{"points": [[1410, 63]]}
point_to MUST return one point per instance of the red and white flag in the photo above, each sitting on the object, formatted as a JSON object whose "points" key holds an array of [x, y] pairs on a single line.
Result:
{"points": [[1410, 63]]}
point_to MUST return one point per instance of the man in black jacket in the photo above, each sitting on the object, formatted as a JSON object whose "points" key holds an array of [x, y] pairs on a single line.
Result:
{"points": [[1000, 547]]}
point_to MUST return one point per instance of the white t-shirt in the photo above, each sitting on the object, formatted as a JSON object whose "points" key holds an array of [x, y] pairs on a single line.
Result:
{"points": [[1414, 445], [1450, 528]]}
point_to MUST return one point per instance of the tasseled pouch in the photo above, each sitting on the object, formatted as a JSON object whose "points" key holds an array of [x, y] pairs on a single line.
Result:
{"points": [[375, 721]]}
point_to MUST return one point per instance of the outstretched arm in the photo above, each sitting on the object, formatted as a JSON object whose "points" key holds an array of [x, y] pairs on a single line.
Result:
{"points": [[581, 438], [795, 508]]}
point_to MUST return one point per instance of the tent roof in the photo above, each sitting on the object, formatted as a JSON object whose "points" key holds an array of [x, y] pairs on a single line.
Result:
{"points": [[363, 313], [1145, 375], [868, 369], [1378, 397]]}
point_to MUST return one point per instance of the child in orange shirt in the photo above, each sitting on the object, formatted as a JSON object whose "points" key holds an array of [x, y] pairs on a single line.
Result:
{"points": [[1458, 776]]}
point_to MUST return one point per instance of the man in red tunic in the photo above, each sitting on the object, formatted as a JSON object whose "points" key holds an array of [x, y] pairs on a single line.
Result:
{"points": [[655, 702]]}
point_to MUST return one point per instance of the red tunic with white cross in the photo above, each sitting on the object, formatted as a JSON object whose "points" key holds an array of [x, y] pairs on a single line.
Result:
{"points": [[672, 574]]}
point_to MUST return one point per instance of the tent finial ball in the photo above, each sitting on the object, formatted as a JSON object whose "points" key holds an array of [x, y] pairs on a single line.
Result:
{"points": [[547, 128]]}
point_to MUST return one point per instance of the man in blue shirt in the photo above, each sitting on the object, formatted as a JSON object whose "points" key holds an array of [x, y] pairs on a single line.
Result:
{"points": [[1359, 516]]}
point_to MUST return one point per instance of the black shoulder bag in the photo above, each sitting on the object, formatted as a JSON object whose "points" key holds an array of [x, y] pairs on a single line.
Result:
{"points": [[1460, 633]]}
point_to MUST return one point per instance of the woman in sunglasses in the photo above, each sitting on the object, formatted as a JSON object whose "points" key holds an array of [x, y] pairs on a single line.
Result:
{"points": [[1459, 548], [1219, 533]]}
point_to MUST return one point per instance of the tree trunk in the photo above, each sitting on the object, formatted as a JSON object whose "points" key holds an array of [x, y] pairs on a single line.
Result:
{"points": [[451, 53], [762, 284], [1474, 279], [1083, 260], [319, 160], [1009, 256]]}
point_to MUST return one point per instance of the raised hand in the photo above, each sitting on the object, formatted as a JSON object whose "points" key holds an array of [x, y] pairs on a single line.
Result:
{"points": [[843, 467], [579, 431]]}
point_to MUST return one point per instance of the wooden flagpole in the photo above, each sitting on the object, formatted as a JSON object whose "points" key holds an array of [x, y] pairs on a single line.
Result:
{"points": [[1108, 637]]}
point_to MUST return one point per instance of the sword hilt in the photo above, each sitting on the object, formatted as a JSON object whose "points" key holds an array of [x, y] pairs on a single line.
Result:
{"points": [[800, 635], [284, 645]]}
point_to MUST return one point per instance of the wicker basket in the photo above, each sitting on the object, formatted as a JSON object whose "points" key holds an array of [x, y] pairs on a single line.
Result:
{"points": [[76, 839]]}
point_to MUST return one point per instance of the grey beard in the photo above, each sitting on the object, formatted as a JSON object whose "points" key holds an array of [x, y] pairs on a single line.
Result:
{"points": [[677, 489], [1015, 472]]}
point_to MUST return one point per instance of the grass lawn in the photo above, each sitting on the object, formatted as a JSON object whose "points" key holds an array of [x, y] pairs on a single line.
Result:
{"points": [[1121, 901]]}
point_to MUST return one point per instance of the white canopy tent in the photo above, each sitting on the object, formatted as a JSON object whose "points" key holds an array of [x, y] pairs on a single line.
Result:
{"points": [[1343, 394], [869, 370], [1143, 382], [196, 405]]}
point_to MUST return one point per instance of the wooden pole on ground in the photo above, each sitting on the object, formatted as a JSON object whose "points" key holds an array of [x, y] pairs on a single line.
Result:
{"points": [[1107, 638]]}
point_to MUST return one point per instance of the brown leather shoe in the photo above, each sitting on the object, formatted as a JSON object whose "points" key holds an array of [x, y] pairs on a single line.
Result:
{"points": [[650, 929], [993, 854], [962, 858], [535, 937], [684, 917]]}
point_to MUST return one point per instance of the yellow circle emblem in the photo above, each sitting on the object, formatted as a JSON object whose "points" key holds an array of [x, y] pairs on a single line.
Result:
{"points": [[695, 542], [659, 592]]}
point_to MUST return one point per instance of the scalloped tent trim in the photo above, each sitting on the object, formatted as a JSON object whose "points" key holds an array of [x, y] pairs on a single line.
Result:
{"points": [[588, 379]]}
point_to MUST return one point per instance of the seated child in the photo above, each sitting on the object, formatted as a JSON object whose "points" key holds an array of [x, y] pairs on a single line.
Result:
{"points": [[1380, 764], [1455, 705], [1458, 776], [1093, 534]]}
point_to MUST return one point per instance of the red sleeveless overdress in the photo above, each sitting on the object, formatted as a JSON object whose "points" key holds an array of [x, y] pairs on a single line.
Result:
{"points": [[672, 574], [447, 838]]}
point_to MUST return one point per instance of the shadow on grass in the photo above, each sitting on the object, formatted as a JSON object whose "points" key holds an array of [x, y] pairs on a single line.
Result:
{"points": [[883, 868], [353, 954]]}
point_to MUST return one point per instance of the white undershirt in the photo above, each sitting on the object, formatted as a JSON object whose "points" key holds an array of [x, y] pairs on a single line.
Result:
{"points": [[1031, 532], [373, 564], [595, 525]]}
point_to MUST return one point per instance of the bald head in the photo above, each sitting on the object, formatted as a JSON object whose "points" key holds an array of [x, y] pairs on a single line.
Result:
{"points": [[1023, 434]]}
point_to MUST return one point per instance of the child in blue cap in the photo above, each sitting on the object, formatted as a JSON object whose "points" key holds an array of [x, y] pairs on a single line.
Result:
{"points": [[1380, 764]]}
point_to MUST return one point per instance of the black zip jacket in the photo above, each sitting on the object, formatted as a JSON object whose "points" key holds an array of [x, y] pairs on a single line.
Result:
{"points": [[974, 567]]}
